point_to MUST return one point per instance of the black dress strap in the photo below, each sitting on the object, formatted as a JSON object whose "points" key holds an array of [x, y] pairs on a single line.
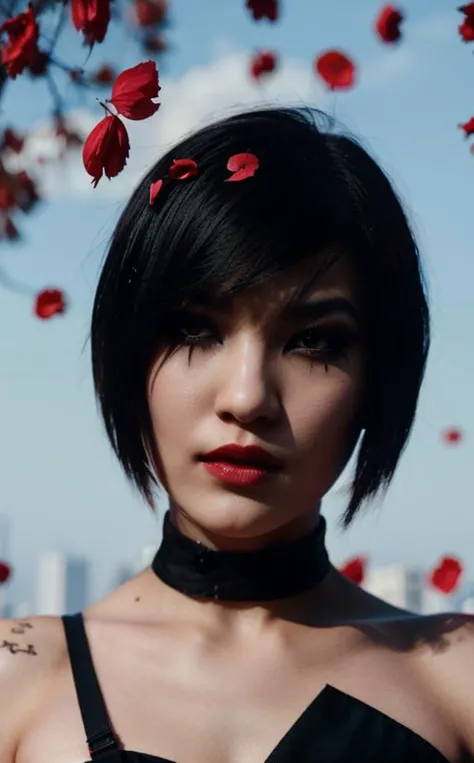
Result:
{"points": [[100, 736]]}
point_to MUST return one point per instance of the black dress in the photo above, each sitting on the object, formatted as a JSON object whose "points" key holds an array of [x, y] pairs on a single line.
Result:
{"points": [[334, 728]]}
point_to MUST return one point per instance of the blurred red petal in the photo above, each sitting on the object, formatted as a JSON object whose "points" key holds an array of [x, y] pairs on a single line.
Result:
{"points": [[466, 30], [243, 166], [5, 572], [91, 17], [49, 302], [468, 127], [446, 574], [467, 9], [151, 12], [336, 69], [264, 62], [261, 9], [452, 436], [104, 75], [12, 140], [387, 24], [355, 569], [21, 47]]}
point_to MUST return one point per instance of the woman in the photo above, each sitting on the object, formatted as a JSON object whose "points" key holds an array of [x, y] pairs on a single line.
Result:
{"points": [[256, 319]]}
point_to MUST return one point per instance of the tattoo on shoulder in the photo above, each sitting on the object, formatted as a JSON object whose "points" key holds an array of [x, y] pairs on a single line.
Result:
{"points": [[21, 627], [16, 648]]}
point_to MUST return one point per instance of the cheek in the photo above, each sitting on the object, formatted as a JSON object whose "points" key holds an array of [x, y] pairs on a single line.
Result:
{"points": [[322, 415], [176, 401]]}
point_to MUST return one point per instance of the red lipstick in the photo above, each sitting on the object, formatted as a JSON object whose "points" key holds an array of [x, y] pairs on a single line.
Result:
{"points": [[238, 465]]}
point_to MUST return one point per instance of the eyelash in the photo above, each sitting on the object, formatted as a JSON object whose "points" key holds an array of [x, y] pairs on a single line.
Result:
{"points": [[338, 339]]}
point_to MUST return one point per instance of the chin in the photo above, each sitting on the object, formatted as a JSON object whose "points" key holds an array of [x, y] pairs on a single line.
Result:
{"points": [[231, 519]]}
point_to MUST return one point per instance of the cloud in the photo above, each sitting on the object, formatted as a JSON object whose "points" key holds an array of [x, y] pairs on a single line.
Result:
{"points": [[193, 100]]}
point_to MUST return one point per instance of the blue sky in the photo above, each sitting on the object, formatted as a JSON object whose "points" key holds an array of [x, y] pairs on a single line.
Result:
{"points": [[61, 487]]}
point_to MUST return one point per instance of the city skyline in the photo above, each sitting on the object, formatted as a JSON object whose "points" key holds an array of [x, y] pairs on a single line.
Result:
{"points": [[61, 485]]}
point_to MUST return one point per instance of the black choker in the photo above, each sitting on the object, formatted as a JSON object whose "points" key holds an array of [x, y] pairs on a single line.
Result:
{"points": [[270, 573]]}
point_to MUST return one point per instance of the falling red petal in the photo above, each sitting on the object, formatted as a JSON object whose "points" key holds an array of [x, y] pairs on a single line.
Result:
{"points": [[466, 30], [387, 24], [133, 90], [106, 149], [264, 62], [261, 9], [468, 127], [452, 436], [21, 48], [5, 572], [49, 302], [336, 69], [446, 574], [91, 17], [355, 569], [467, 9]]}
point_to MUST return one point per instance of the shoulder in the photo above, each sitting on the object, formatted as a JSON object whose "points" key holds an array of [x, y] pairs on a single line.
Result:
{"points": [[31, 651], [447, 658]]}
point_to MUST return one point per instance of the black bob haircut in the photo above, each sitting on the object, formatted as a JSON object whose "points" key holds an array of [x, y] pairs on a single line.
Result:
{"points": [[315, 189]]}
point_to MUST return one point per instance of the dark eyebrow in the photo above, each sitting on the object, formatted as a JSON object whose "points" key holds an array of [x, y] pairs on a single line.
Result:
{"points": [[320, 308], [294, 310]]}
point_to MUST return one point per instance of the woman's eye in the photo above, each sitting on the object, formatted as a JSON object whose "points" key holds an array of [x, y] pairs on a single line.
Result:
{"points": [[328, 344], [194, 330]]}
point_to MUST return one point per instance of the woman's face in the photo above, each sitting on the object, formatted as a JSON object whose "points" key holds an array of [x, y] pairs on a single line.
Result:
{"points": [[260, 370]]}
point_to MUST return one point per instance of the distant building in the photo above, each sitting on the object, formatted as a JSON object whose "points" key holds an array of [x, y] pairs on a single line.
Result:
{"points": [[398, 585], [62, 584], [407, 588], [19, 610], [467, 605]]}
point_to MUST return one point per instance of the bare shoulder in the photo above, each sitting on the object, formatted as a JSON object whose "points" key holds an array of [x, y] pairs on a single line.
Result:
{"points": [[447, 658], [31, 650]]}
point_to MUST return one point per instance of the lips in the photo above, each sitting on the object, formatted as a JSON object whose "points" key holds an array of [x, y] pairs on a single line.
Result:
{"points": [[250, 456]]}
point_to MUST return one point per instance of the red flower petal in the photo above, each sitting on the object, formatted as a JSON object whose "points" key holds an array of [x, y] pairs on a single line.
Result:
{"points": [[336, 69], [182, 169], [104, 75], [452, 436], [106, 149], [12, 140], [151, 12], [8, 229], [133, 90], [387, 24], [91, 17], [446, 574], [155, 188], [263, 9], [355, 569], [466, 30], [467, 9], [5, 572], [49, 302], [468, 127], [243, 166], [21, 48], [264, 62]]}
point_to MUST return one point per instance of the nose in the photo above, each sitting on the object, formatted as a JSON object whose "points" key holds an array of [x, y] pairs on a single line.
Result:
{"points": [[247, 387]]}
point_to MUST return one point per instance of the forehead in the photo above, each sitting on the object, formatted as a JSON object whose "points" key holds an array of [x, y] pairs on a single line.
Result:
{"points": [[331, 275]]}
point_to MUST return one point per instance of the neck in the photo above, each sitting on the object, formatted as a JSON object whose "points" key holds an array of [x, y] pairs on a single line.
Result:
{"points": [[283, 569], [215, 540]]}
